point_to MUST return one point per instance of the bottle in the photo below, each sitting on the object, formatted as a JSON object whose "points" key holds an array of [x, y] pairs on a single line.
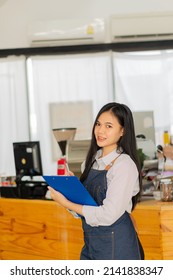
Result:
{"points": [[166, 138], [61, 166]]}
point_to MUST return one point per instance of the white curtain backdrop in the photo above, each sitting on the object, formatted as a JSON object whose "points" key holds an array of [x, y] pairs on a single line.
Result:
{"points": [[13, 110], [62, 79], [144, 81]]}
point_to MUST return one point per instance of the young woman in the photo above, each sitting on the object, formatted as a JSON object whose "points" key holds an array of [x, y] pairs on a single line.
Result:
{"points": [[112, 176]]}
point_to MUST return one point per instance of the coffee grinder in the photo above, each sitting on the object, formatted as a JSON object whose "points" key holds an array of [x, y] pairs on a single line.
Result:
{"points": [[62, 136]]}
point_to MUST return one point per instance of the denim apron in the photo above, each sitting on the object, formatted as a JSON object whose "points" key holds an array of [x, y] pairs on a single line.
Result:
{"points": [[118, 241]]}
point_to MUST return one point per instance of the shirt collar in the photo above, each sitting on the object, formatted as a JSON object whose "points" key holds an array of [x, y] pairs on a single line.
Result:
{"points": [[106, 159]]}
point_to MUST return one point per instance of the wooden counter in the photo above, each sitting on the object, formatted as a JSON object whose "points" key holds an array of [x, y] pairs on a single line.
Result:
{"points": [[38, 229], [155, 228], [41, 229]]}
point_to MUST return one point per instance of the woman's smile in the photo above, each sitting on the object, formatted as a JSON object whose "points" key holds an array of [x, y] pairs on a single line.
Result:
{"points": [[101, 138]]}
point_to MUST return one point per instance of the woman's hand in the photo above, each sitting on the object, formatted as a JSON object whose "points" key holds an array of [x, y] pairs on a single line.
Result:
{"points": [[58, 197], [168, 151], [63, 201], [69, 173]]}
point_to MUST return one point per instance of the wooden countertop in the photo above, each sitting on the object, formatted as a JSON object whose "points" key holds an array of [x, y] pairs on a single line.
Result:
{"points": [[154, 204]]}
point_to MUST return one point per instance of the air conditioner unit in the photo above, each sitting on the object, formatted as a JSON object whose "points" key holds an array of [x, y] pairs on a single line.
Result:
{"points": [[67, 32], [130, 28]]}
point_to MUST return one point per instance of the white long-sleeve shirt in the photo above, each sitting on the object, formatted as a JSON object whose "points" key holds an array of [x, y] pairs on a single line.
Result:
{"points": [[122, 184]]}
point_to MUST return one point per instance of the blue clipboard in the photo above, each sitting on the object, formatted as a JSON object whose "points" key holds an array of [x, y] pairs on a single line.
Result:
{"points": [[71, 188]]}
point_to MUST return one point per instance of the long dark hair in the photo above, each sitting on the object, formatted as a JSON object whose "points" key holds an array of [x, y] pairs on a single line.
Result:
{"points": [[126, 143]]}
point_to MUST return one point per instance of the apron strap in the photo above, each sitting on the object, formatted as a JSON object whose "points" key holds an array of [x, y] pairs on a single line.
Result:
{"points": [[112, 162]]}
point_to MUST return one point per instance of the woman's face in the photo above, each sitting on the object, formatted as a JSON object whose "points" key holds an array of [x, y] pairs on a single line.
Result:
{"points": [[107, 132]]}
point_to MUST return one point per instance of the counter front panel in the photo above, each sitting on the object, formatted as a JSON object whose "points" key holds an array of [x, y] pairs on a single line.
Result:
{"points": [[41, 229]]}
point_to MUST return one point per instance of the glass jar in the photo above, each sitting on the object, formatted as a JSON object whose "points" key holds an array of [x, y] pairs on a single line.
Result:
{"points": [[166, 187]]}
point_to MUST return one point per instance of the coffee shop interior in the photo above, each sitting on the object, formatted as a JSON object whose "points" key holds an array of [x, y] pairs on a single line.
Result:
{"points": [[60, 62]]}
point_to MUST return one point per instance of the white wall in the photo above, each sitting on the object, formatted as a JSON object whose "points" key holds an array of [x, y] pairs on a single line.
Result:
{"points": [[15, 15]]}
